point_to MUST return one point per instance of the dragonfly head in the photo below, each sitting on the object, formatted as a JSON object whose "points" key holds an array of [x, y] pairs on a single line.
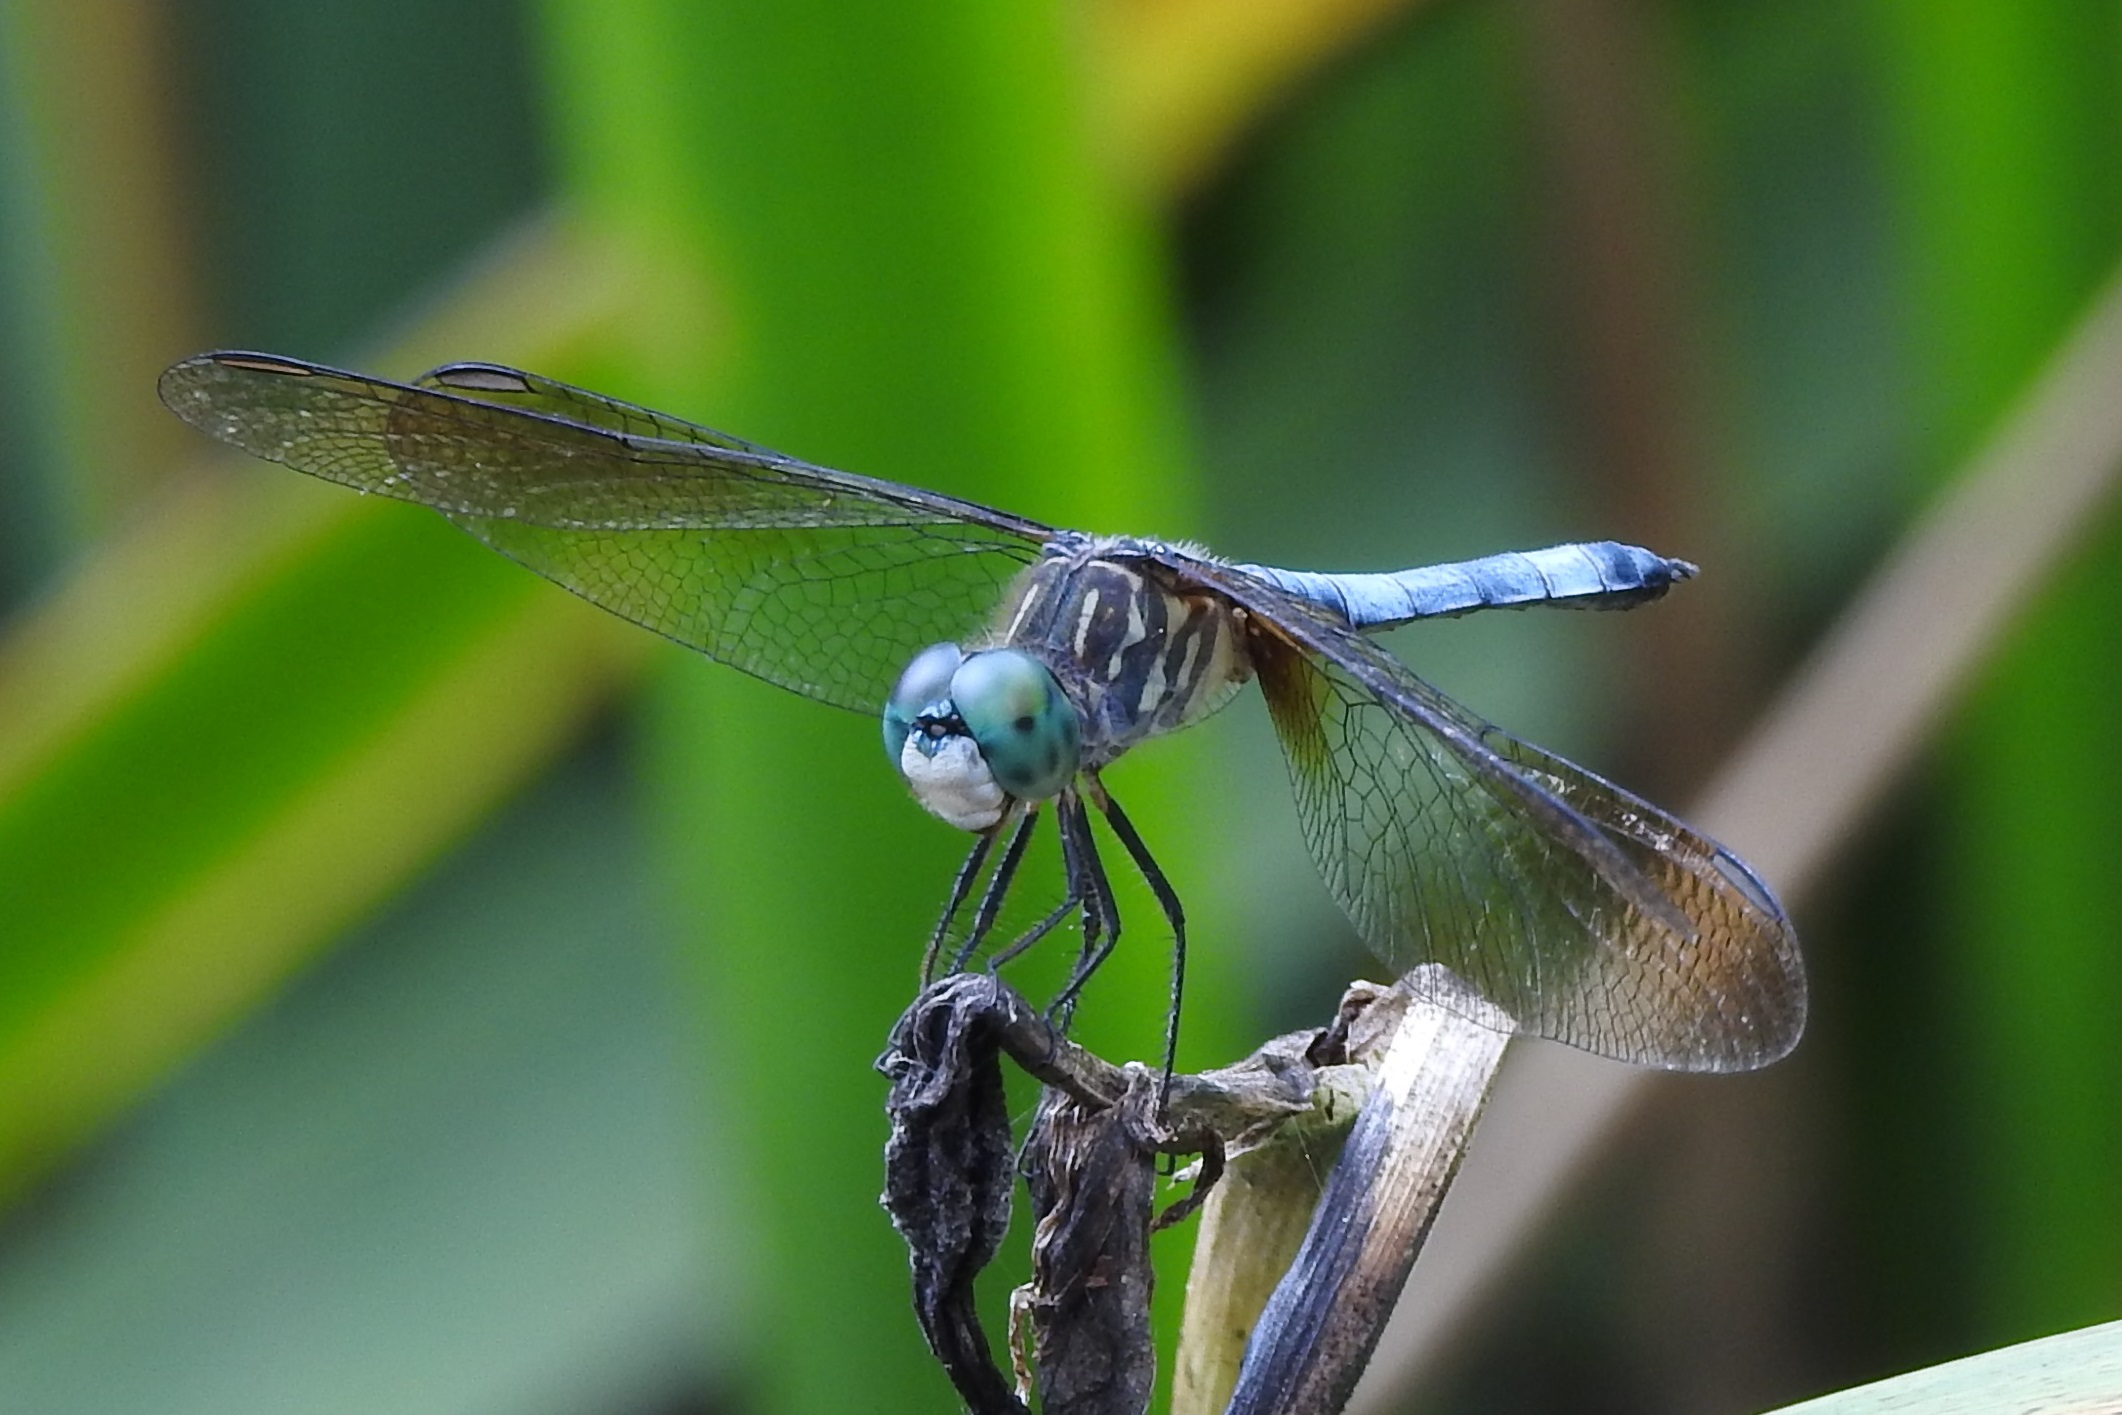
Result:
{"points": [[970, 731]]}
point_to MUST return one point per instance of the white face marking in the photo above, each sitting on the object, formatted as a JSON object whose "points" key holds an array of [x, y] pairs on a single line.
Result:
{"points": [[954, 784]]}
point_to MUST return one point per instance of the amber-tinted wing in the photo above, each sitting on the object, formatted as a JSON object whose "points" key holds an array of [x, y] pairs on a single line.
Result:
{"points": [[1592, 917], [820, 581]]}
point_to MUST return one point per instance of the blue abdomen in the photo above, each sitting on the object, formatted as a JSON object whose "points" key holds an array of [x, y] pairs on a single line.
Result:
{"points": [[1583, 575]]}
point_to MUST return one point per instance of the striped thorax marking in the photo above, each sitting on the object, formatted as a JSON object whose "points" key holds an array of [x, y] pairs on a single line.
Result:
{"points": [[1142, 657]]}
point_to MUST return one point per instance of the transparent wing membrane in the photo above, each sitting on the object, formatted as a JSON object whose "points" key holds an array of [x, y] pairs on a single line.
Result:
{"points": [[820, 581], [1592, 917], [492, 383]]}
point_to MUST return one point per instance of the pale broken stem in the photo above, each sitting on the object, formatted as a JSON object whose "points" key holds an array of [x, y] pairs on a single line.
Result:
{"points": [[1301, 1353], [1251, 1227], [1843, 730], [1255, 1220]]}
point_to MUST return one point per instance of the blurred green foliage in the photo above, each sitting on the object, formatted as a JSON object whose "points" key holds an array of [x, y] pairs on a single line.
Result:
{"points": [[240, 721], [925, 274], [2003, 121]]}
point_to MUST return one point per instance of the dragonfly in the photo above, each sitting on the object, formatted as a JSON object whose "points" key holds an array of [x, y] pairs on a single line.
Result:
{"points": [[1011, 662]]}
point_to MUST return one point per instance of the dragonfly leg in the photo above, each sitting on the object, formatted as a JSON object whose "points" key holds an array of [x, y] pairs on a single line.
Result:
{"points": [[997, 885], [1072, 873], [1101, 914], [1174, 913], [959, 889], [1033, 934]]}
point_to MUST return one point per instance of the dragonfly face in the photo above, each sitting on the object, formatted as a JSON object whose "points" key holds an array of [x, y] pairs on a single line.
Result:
{"points": [[971, 733], [1090, 655], [1014, 661]]}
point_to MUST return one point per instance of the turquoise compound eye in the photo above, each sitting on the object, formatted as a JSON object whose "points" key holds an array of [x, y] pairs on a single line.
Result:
{"points": [[925, 681], [1017, 715]]}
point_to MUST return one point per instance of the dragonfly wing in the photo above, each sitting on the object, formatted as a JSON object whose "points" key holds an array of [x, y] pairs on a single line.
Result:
{"points": [[820, 581], [1592, 917], [494, 383], [833, 612]]}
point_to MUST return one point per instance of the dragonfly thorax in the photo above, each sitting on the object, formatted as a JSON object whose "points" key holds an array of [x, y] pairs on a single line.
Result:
{"points": [[970, 732], [1142, 655]]}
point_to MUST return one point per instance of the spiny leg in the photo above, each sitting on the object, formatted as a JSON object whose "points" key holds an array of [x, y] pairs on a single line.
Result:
{"points": [[1168, 898], [1068, 823], [1101, 914], [997, 884], [1033, 934], [1072, 875], [959, 889]]}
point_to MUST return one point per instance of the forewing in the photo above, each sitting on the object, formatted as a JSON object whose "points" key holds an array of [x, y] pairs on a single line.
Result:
{"points": [[820, 581], [493, 383], [1590, 916]]}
